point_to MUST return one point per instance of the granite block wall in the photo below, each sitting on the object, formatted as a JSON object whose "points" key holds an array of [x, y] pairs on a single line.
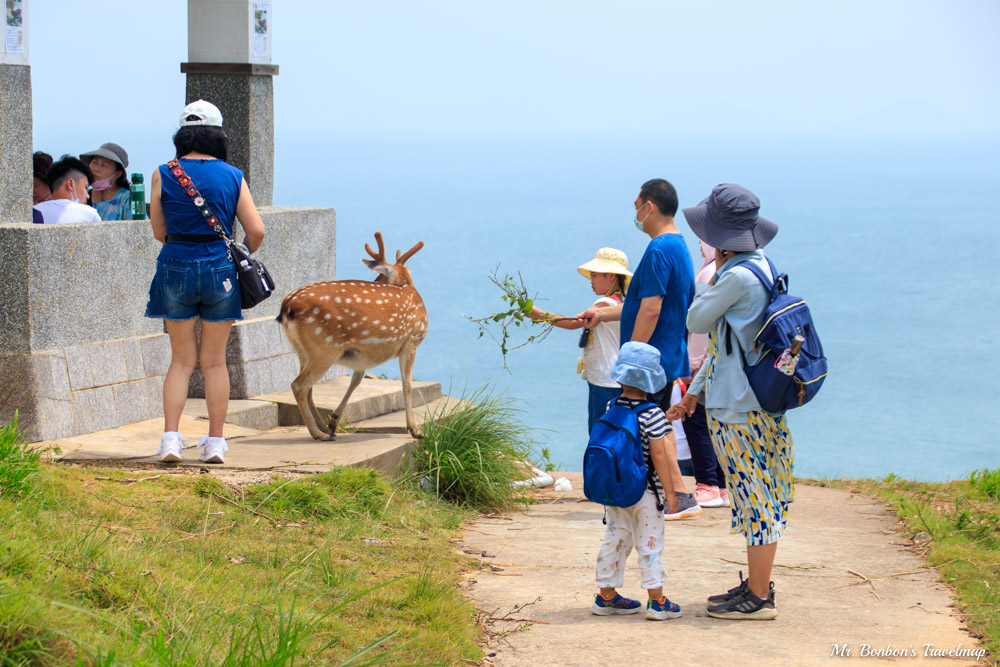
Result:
{"points": [[77, 354], [15, 143]]}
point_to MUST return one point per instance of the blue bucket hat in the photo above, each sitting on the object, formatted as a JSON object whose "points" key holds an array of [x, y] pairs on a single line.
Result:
{"points": [[638, 365]]}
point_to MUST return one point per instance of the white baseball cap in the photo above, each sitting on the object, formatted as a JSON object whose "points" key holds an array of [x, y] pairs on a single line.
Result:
{"points": [[201, 112]]}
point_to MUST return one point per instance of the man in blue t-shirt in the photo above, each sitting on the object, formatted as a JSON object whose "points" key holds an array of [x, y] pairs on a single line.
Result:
{"points": [[658, 298]]}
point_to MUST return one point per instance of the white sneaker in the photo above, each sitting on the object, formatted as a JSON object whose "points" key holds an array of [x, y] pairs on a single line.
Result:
{"points": [[213, 449], [170, 447]]}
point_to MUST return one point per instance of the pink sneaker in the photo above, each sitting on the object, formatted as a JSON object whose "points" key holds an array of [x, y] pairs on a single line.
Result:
{"points": [[724, 496], [707, 496]]}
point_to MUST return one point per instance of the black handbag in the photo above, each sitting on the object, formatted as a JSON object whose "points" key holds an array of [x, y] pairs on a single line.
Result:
{"points": [[253, 277]]}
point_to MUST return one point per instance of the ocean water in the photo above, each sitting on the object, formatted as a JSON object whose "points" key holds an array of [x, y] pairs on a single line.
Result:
{"points": [[890, 240]]}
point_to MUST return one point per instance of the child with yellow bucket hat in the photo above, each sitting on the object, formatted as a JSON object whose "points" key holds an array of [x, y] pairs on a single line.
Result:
{"points": [[609, 278]]}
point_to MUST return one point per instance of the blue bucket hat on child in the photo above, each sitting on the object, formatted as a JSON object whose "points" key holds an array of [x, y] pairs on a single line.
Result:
{"points": [[638, 365]]}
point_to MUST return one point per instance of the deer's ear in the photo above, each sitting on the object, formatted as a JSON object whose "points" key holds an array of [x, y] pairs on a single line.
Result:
{"points": [[379, 267]]}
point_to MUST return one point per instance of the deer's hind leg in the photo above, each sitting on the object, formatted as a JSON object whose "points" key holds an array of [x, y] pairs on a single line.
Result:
{"points": [[335, 416], [302, 390], [406, 358]]}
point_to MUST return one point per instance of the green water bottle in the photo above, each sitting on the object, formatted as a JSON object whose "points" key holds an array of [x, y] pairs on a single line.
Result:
{"points": [[138, 198]]}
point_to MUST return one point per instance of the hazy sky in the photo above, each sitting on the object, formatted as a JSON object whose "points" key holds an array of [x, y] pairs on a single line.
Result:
{"points": [[539, 66]]}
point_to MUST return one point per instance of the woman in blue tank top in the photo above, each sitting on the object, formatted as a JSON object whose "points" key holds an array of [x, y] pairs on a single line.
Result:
{"points": [[195, 278]]}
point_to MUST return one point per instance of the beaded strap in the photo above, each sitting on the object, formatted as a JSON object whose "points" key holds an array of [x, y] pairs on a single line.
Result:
{"points": [[177, 170]]}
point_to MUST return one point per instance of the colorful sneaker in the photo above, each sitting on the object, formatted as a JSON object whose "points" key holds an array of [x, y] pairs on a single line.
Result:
{"points": [[731, 593], [687, 506], [170, 447], [746, 607], [616, 605], [214, 449], [724, 494], [708, 496], [661, 610]]}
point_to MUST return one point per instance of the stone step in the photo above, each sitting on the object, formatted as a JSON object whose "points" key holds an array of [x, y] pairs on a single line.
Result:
{"points": [[258, 415], [395, 422], [371, 399], [278, 449], [133, 441]]}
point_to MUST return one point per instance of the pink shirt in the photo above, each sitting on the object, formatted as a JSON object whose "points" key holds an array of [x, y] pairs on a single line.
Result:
{"points": [[698, 343]]}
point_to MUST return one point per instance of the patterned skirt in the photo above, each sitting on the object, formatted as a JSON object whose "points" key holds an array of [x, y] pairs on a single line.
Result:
{"points": [[757, 458]]}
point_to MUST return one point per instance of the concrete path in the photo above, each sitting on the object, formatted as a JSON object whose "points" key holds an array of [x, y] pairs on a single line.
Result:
{"points": [[824, 604]]}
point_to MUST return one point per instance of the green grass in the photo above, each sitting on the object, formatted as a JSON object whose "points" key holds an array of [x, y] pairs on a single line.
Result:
{"points": [[472, 451], [961, 520], [339, 568], [18, 464]]}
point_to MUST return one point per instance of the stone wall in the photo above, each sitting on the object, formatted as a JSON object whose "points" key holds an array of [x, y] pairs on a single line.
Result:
{"points": [[76, 353]]}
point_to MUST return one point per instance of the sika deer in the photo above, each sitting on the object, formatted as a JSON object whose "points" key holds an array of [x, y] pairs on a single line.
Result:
{"points": [[358, 324]]}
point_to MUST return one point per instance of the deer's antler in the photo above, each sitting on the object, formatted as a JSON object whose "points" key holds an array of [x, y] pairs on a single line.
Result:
{"points": [[380, 257], [400, 259]]}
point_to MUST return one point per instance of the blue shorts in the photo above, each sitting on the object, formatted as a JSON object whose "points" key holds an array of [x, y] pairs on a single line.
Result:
{"points": [[186, 290]]}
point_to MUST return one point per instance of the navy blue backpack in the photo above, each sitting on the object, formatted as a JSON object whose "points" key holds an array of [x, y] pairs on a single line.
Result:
{"points": [[784, 318], [614, 467]]}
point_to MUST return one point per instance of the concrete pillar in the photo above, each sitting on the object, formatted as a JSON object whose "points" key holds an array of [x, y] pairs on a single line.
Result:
{"points": [[229, 54], [15, 116]]}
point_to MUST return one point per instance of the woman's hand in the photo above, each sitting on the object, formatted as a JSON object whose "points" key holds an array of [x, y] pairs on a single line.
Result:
{"points": [[683, 408]]}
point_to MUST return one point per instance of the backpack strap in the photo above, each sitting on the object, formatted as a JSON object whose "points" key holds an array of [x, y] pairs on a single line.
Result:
{"points": [[645, 405], [776, 283]]}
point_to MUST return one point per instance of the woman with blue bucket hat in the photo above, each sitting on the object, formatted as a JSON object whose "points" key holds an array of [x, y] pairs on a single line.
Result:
{"points": [[754, 447]]}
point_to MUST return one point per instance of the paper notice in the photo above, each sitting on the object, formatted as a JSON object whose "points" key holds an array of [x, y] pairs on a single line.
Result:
{"points": [[14, 27], [261, 28]]}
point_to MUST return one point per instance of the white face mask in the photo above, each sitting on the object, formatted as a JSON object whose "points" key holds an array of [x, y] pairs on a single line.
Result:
{"points": [[638, 222]]}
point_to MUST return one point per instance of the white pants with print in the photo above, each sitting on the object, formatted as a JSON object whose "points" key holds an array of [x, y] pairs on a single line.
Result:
{"points": [[639, 526]]}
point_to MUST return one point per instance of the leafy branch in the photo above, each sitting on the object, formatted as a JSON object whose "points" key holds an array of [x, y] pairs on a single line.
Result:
{"points": [[515, 295]]}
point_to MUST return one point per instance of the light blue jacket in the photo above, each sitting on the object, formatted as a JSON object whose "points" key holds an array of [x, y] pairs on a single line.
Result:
{"points": [[733, 306]]}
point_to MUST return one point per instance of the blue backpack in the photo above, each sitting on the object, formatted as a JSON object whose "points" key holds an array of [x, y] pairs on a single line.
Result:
{"points": [[784, 318], [614, 467]]}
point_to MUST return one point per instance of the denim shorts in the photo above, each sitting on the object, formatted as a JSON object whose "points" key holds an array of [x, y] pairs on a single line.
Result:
{"points": [[186, 290]]}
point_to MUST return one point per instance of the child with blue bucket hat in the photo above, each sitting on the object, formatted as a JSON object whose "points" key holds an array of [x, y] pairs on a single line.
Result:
{"points": [[638, 370]]}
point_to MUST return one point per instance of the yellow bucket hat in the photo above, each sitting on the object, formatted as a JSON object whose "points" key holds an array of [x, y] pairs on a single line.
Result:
{"points": [[607, 260]]}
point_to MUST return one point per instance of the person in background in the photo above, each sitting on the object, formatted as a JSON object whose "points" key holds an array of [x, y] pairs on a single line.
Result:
{"points": [[683, 450], [710, 479], [754, 446], [195, 278], [110, 193], [655, 305], [41, 163], [68, 180], [609, 278]]}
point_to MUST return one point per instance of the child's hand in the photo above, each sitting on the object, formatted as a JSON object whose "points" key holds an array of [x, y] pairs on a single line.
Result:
{"points": [[671, 501]]}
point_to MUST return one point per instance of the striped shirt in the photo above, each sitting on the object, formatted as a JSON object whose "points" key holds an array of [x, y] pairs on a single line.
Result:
{"points": [[653, 425]]}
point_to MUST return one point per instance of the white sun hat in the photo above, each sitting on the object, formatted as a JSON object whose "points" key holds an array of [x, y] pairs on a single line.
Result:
{"points": [[607, 260], [201, 112]]}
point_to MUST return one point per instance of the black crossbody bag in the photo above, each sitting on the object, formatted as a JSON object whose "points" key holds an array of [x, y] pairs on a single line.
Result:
{"points": [[255, 282]]}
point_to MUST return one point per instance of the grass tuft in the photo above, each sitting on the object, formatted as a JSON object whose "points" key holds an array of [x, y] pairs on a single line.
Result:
{"points": [[472, 452], [331, 569], [18, 464]]}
